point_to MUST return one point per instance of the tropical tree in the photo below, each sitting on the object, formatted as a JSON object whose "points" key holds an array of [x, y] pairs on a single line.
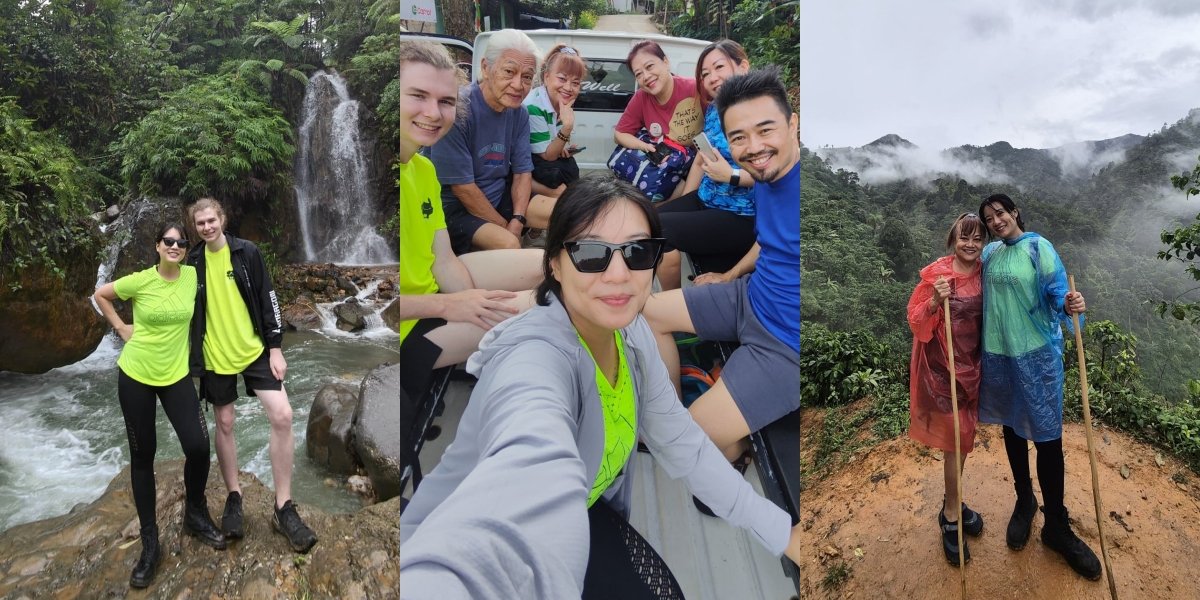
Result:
{"points": [[1183, 245]]}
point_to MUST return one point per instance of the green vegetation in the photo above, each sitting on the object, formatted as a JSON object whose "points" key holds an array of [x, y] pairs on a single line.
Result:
{"points": [[769, 30], [837, 574], [216, 136], [107, 99], [864, 244]]}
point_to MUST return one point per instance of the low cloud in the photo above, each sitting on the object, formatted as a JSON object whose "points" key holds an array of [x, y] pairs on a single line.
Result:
{"points": [[885, 164]]}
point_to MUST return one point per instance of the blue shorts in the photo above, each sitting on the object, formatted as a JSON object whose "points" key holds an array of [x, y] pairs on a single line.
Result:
{"points": [[763, 374]]}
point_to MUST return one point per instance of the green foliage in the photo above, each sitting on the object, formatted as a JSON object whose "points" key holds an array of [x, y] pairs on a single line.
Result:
{"points": [[839, 367], [769, 30], [44, 192], [587, 20], [214, 137], [1183, 246]]}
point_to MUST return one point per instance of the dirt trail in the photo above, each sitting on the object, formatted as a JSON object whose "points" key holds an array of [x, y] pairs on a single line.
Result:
{"points": [[885, 502]]}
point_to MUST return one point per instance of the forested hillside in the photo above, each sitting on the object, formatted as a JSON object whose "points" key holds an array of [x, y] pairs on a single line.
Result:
{"points": [[101, 100]]}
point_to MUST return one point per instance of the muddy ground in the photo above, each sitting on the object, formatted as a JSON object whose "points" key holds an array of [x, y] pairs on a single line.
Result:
{"points": [[872, 528]]}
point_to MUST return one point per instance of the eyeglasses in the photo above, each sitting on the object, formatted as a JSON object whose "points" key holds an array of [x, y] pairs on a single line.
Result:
{"points": [[591, 256], [168, 242]]}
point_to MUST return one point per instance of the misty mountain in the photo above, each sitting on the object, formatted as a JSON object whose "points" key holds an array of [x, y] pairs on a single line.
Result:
{"points": [[874, 215]]}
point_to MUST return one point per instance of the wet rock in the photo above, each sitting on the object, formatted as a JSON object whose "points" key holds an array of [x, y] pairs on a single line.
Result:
{"points": [[377, 429], [302, 314], [111, 213], [49, 321], [351, 316], [330, 422], [86, 555], [391, 315]]}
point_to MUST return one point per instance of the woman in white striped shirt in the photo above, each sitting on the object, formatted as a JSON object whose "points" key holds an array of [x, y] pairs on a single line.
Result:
{"points": [[552, 119]]}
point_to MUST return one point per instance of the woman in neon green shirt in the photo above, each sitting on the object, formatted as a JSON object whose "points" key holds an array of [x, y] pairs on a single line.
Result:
{"points": [[152, 364], [532, 499]]}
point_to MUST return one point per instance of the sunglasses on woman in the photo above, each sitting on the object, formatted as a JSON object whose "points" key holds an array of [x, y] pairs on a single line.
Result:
{"points": [[168, 242], [590, 256]]}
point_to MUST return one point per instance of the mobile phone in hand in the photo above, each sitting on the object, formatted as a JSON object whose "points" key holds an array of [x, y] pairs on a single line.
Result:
{"points": [[661, 152], [705, 146], [573, 150]]}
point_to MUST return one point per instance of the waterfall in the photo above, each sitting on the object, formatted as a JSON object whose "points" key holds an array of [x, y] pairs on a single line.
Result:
{"points": [[338, 215]]}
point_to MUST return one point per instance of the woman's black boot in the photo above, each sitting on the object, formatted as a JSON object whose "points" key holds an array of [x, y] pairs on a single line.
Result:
{"points": [[1022, 517], [199, 524], [147, 564], [1057, 535]]}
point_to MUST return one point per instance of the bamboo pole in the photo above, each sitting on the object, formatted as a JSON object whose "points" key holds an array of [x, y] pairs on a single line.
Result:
{"points": [[962, 555], [1087, 426]]}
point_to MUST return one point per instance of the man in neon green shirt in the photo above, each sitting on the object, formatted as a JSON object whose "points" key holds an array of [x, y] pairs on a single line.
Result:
{"points": [[236, 329], [447, 302]]}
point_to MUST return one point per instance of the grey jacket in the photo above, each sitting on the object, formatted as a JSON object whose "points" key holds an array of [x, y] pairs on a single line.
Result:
{"points": [[504, 514]]}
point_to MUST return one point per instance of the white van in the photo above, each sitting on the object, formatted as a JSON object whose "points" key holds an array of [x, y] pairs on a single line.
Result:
{"points": [[609, 83]]}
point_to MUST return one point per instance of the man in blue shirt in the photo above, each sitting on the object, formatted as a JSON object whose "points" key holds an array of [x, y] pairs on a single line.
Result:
{"points": [[757, 303], [484, 162]]}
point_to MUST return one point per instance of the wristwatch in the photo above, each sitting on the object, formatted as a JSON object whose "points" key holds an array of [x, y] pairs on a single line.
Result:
{"points": [[735, 178], [521, 218]]}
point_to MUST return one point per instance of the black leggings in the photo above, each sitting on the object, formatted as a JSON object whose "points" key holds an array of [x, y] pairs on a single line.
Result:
{"points": [[715, 238], [1050, 469], [183, 409], [621, 563]]}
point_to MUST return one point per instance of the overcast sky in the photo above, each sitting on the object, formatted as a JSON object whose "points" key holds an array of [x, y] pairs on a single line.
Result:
{"points": [[1035, 73]]}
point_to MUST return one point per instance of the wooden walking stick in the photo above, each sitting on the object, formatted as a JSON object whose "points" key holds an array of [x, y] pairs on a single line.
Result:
{"points": [[962, 555], [1087, 425]]}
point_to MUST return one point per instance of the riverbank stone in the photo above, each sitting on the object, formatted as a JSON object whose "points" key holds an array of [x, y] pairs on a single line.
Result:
{"points": [[377, 429], [330, 423]]}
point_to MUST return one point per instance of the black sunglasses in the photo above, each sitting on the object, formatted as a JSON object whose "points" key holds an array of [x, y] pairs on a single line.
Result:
{"points": [[591, 256], [168, 242]]}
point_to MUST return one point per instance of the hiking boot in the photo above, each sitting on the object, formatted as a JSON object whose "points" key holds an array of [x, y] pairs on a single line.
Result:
{"points": [[1022, 519], [1057, 535], [147, 564], [972, 521], [199, 524], [287, 521], [231, 519], [950, 540]]}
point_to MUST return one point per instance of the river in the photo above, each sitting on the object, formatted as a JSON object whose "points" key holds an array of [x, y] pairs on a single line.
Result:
{"points": [[63, 437]]}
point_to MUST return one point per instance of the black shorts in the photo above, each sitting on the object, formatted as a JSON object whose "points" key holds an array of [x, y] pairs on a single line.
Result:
{"points": [[462, 225], [221, 389], [553, 173], [417, 357]]}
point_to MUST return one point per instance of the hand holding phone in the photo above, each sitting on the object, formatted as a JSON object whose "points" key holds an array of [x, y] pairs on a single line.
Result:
{"points": [[660, 153], [705, 146], [573, 150]]}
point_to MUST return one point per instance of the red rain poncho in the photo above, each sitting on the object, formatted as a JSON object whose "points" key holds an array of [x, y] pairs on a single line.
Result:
{"points": [[930, 411]]}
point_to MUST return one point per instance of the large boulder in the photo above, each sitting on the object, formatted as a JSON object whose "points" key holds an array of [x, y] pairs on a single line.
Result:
{"points": [[377, 429], [49, 320], [391, 315], [89, 552], [330, 422]]}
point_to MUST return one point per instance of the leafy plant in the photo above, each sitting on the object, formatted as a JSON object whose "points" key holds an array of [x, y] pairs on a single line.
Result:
{"points": [[214, 137]]}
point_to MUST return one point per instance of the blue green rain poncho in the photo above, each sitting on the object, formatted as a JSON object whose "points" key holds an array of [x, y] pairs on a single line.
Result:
{"points": [[1024, 287]]}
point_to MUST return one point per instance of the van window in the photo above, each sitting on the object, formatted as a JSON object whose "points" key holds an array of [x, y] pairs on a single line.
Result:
{"points": [[608, 86]]}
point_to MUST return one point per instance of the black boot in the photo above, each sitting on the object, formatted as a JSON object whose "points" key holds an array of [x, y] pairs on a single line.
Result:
{"points": [[1057, 535], [147, 564], [199, 524], [972, 521], [1022, 517]]}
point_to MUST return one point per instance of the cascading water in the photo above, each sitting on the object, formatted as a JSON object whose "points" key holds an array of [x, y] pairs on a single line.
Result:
{"points": [[338, 215]]}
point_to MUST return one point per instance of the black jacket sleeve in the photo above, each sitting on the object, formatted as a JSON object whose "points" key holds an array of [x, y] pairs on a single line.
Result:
{"points": [[268, 303]]}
